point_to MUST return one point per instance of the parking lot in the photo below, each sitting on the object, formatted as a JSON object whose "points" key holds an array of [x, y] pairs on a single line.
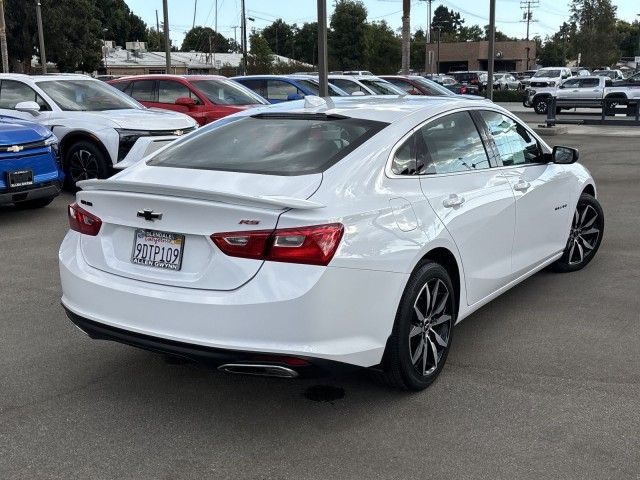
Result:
{"points": [[544, 382]]}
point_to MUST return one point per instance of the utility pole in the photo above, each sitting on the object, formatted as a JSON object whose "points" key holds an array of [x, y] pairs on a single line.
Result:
{"points": [[3, 40], [427, 39], [157, 22], [43, 56], [527, 16], [195, 9], [492, 47], [439, 27], [323, 70], [406, 36], [167, 43], [243, 32]]}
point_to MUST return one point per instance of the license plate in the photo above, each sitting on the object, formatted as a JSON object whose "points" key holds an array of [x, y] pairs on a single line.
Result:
{"points": [[20, 178], [158, 249]]}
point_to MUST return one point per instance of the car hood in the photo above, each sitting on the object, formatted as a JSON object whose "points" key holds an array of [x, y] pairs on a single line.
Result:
{"points": [[14, 131], [147, 119]]}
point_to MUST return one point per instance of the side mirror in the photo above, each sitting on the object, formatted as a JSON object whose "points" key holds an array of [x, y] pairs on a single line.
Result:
{"points": [[564, 155], [186, 102], [294, 96], [30, 107]]}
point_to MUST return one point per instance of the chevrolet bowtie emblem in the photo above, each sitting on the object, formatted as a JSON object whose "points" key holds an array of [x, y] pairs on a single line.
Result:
{"points": [[149, 215], [15, 148], [178, 132]]}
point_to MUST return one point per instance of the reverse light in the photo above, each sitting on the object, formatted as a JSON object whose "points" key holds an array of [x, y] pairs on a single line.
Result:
{"points": [[314, 245], [82, 221]]}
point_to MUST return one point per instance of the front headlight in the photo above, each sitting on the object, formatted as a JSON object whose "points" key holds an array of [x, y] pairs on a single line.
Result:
{"points": [[128, 138], [52, 141]]}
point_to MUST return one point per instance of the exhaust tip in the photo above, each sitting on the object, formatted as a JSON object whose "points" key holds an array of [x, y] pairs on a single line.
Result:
{"points": [[257, 369]]}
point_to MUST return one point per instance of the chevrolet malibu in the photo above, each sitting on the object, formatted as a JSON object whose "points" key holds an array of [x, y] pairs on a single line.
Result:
{"points": [[352, 232]]}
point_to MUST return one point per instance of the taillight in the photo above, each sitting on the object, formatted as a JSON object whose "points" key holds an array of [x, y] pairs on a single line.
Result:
{"points": [[315, 245], [82, 221]]}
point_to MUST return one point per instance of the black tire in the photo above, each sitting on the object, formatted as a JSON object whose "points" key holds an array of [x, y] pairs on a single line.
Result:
{"points": [[398, 369], [611, 107], [584, 241], [540, 105], [36, 203], [84, 160]]}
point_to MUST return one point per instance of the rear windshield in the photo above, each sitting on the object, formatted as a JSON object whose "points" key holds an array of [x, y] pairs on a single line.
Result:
{"points": [[270, 144]]}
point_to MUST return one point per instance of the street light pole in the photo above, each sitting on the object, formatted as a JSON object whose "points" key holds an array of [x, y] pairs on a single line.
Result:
{"points": [[43, 56], [243, 39], [492, 47], [323, 69], [167, 43]]}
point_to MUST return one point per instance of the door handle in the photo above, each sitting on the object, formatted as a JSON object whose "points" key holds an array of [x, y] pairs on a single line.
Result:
{"points": [[522, 185], [453, 201]]}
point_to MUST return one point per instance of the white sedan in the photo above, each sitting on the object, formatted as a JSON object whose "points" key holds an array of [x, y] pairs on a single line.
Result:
{"points": [[313, 235]]}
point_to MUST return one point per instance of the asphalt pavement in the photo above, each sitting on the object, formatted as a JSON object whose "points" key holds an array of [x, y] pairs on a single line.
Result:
{"points": [[544, 382]]}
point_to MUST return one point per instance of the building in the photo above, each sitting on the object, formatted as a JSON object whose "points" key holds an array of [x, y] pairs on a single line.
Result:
{"points": [[510, 56], [119, 61]]}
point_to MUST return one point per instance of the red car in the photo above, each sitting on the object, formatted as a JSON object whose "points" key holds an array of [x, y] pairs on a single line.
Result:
{"points": [[205, 98]]}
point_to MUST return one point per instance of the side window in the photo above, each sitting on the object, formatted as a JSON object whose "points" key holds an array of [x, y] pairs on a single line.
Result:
{"points": [[12, 93], [450, 144], [258, 86], [279, 90], [404, 158], [589, 83], [143, 90], [346, 85], [514, 143], [571, 83], [122, 86], [169, 91]]}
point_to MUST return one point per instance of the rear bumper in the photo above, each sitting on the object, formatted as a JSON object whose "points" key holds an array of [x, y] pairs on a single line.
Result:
{"points": [[331, 314], [49, 189], [209, 356]]}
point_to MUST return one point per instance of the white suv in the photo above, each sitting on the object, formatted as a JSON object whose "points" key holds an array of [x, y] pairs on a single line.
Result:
{"points": [[97, 125]]}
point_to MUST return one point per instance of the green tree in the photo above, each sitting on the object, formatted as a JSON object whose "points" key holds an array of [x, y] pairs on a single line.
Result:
{"points": [[471, 34], [628, 38], [204, 39], [417, 51], [384, 48], [500, 37], [596, 34], [280, 37], [348, 35], [120, 23], [449, 21], [155, 40], [305, 41], [553, 53], [260, 55]]}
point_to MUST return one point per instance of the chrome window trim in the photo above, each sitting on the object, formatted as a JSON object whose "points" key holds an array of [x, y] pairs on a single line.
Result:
{"points": [[389, 173]]}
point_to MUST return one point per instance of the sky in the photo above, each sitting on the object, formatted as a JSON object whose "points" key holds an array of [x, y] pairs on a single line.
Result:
{"points": [[548, 15]]}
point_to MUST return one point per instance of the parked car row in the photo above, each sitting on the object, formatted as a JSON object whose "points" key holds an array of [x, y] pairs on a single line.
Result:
{"points": [[97, 125]]}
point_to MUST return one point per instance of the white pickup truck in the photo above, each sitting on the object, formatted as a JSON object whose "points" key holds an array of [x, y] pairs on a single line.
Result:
{"points": [[585, 91]]}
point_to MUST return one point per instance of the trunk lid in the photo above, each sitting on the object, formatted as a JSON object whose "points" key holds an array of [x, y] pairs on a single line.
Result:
{"points": [[195, 204]]}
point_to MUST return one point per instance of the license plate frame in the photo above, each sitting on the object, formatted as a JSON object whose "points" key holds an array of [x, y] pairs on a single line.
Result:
{"points": [[19, 178], [164, 241]]}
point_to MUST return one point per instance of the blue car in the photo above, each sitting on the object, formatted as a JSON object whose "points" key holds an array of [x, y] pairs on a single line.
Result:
{"points": [[30, 173], [283, 88]]}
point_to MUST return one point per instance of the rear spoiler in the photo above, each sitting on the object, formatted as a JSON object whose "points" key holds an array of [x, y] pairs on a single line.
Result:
{"points": [[280, 201]]}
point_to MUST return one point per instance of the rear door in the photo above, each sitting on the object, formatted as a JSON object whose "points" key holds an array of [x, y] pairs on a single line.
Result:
{"points": [[170, 90], [280, 91], [542, 191], [591, 89], [473, 200]]}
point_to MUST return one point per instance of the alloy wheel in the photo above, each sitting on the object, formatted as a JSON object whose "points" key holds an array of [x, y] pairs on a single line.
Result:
{"points": [[83, 165], [584, 235], [430, 326]]}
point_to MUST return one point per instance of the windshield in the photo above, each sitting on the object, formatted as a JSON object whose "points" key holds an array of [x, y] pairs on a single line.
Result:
{"points": [[380, 87], [227, 93], [315, 88], [87, 95], [434, 88], [270, 144], [547, 73]]}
